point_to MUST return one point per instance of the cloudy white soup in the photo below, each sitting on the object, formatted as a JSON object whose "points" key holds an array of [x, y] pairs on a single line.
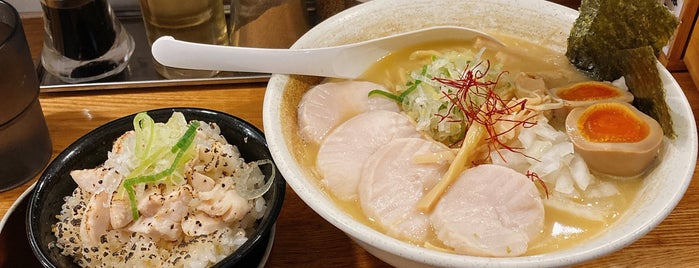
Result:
{"points": [[477, 148]]}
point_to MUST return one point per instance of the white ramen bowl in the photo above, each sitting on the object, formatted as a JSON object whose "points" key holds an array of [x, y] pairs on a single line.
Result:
{"points": [[540, 22]]}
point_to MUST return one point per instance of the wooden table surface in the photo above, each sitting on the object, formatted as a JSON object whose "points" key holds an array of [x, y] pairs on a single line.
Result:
{"points": [[303, 239]]}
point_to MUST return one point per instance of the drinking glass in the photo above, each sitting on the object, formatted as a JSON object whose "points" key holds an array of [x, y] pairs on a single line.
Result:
{"points": [[200, 21], [25, 145]]}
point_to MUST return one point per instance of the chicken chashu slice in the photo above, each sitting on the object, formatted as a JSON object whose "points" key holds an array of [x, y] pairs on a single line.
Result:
{"points": [[490, 210], [327, 105], [344, 151], [392, 183]]}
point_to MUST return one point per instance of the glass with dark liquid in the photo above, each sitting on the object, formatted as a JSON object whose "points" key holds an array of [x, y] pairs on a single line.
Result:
{"points": [[25, 145], [84, 40]]}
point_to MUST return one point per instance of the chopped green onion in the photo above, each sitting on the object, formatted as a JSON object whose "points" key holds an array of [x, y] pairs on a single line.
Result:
{"points": [[384, 93], [178, 149], [144, 126], [397, 98], [411, 88]]}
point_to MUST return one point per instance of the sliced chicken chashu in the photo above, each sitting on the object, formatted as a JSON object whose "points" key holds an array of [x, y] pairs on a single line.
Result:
{"points": [[490, 210], [344, 151], [392, 183], [327, 105], [96, 220], [166, 223]]}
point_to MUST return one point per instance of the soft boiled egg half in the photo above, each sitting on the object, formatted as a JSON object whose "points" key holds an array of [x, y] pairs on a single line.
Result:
{"points": [[589, 92], [614, 138]]}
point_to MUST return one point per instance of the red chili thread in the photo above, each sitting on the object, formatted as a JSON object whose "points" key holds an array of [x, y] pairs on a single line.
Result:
{"points": [[535, 178], [473, 83]]}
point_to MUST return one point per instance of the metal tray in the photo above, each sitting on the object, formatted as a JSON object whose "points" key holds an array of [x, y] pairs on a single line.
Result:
{"points": [[140, 72]]}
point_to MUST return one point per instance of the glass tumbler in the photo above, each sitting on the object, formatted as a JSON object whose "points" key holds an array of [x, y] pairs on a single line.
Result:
{"points": [[25, 145], [199, 21], [84, 41]]}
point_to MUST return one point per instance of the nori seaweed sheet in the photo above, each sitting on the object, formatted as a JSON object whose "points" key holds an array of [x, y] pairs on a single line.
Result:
{"points": [[606, 26], [615, 38], [641, 75]]}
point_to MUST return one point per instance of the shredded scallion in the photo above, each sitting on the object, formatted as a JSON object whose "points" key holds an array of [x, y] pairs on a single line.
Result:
{"points": [[177, 153]]}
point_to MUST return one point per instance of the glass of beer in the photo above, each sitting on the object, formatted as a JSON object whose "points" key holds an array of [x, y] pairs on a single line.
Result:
{"points": [[84, 40], [25, 145], [200, 21]]}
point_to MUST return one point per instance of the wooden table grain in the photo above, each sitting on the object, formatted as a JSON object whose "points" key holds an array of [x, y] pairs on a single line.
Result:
{"points": [[304, 239]]}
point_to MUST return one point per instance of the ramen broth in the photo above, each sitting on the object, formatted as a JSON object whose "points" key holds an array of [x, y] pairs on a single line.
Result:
{"points": [[561, 230]]}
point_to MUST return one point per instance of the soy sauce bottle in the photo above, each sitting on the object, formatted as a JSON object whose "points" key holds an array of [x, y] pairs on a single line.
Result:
{"points": [[84, 40], [79, 28]]}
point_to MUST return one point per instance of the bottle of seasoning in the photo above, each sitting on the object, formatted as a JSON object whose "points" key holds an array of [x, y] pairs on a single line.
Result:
{"points": [[84, 40]]}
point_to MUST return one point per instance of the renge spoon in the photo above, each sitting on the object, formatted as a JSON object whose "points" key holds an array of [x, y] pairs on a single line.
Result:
{"points": [[344, 61]]}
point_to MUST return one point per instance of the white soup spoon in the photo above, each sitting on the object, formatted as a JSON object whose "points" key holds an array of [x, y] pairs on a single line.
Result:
{"points": [[345, 61]]}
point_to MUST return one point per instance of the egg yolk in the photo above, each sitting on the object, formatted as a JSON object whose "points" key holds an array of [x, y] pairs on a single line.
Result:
{"points": [[589, 91], [612, 122]]}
